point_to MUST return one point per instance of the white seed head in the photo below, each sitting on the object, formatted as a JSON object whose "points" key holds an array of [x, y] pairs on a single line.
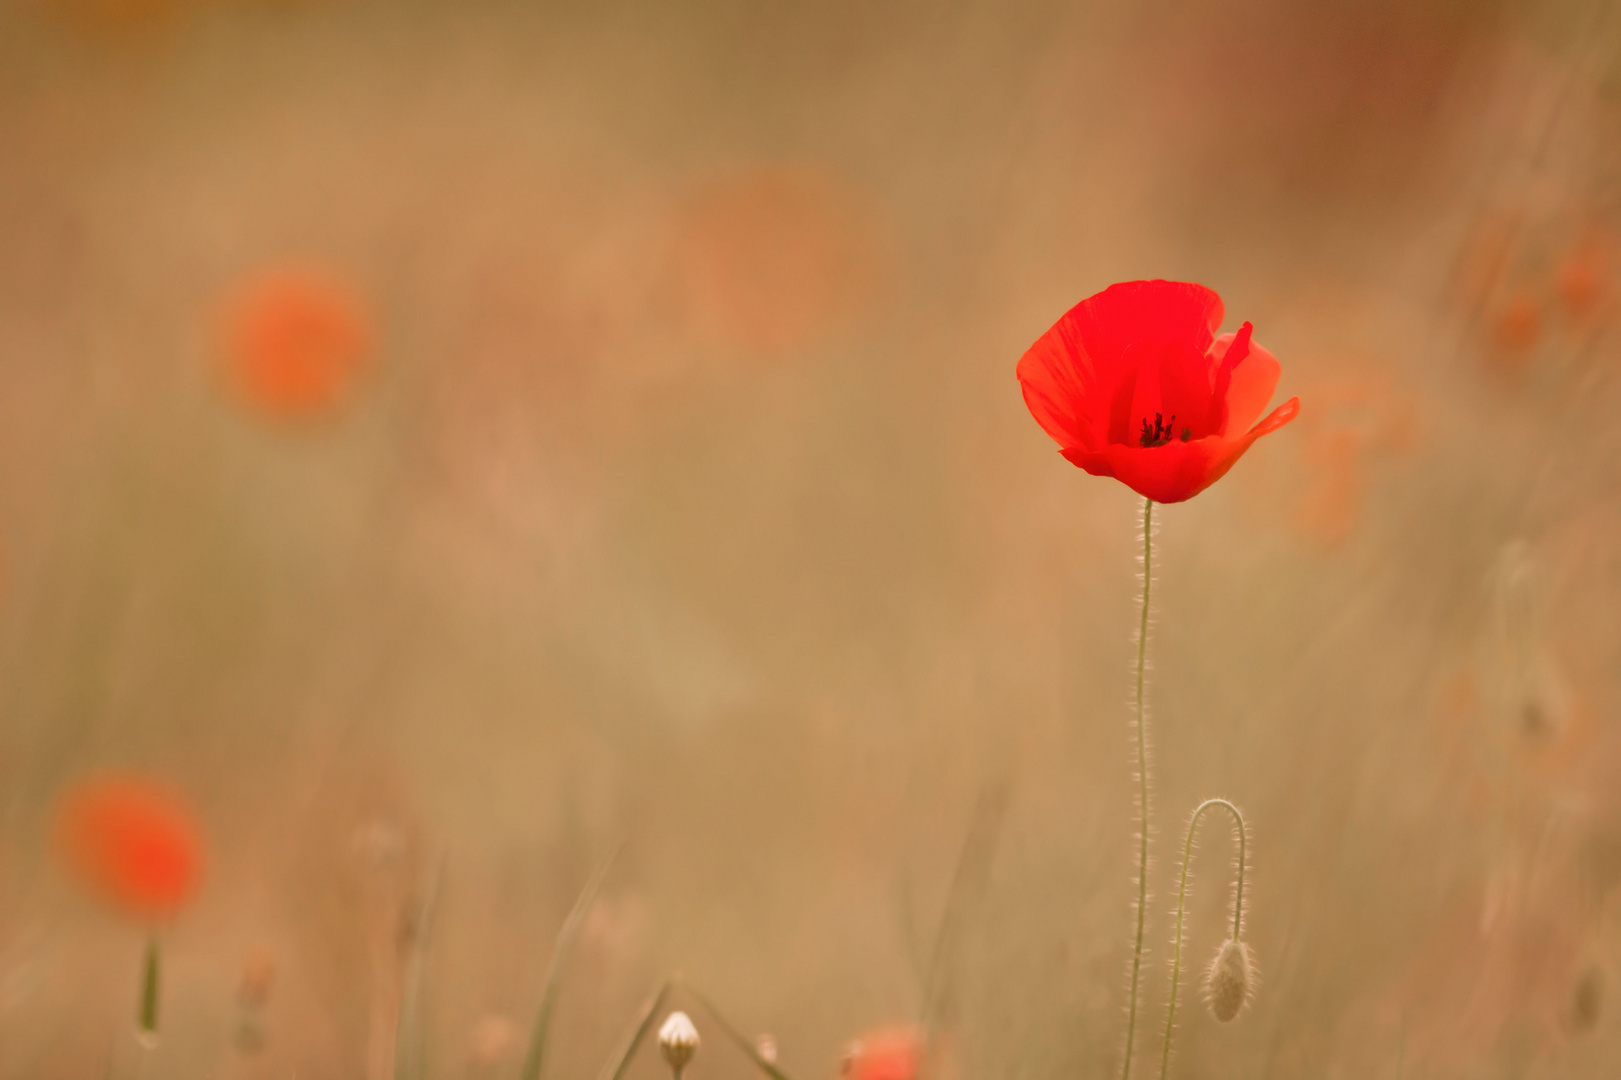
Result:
{"points": [[1228, 981], [678, 1040]]}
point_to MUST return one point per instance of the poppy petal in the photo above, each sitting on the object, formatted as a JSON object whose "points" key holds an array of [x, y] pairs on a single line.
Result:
{"points": [[1150, 313], [1058, 387], [1235, 447], [1251, 385], [1145, 403], [1235, 354], [1275, 419], [1079, 376], [1184, 391], [1166, 474], [1177, 471]]}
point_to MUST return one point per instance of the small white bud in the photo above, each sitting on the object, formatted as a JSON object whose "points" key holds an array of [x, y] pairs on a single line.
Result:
{"points": [[766, 1047], [1227, 983], [678, 1040]]}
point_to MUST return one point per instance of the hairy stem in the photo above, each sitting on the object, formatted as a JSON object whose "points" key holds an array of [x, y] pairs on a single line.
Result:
{"points": [[1182, 904], [1142, 786]]}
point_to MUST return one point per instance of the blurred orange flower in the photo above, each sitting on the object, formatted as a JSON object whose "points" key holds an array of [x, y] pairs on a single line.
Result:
{"points": [[297, 340], [1518, 323], [134, 841], [886, 1053], [1583, 279], [1332, 504], [773, 258]]}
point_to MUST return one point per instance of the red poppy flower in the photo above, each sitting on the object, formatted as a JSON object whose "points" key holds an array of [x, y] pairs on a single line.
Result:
{"points": [[134, 842], [887, 1053], [1134, 384]]}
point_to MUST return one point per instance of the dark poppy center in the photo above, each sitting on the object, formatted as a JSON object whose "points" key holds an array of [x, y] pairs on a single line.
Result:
{"points": [[1162, 431]]}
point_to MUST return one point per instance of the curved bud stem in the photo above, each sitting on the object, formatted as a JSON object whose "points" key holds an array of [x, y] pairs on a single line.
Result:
{"points": [[1182, 904]]}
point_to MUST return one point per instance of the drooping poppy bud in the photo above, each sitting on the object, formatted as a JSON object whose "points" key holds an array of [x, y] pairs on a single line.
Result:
{"points": [[1229, 980], [887, 1053]]}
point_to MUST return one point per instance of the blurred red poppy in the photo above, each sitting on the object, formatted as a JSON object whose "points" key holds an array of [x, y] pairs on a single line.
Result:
{"points": [[297, 340], [134, 842], [887, 1053], [775, 257], [1133, 383]]}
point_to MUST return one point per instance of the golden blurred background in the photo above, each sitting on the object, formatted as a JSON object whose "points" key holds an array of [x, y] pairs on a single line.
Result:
{"points": [[447, 440]]}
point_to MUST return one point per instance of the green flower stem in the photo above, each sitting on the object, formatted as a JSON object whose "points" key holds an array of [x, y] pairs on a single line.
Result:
{"points": [[146, 1018], [1142, 786], [1182, 904]]}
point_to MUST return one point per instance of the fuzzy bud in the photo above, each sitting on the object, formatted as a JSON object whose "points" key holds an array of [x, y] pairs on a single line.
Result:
{"points": [[1227, 983], [678, 1041]]}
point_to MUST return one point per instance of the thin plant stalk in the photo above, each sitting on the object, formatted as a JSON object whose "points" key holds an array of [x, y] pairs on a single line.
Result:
{"points": [[643, 1025], [968, 885], [146, 1015], [408, 1048], [1142, 786], [737, 1037], [564, 946], [1181, 909]]}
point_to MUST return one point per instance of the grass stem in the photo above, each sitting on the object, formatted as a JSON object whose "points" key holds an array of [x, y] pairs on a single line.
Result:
{"points": [[566, 936]]}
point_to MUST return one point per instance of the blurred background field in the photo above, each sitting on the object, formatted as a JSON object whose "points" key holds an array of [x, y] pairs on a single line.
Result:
{"points": [[649, 467]]}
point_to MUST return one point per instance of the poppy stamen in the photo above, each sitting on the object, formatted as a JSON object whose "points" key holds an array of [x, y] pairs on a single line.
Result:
{"points": [[1161, 433]]}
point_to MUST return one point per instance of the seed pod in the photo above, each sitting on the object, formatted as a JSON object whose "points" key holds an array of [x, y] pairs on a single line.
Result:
{"points": [[1228, 980], [678, 1041]]}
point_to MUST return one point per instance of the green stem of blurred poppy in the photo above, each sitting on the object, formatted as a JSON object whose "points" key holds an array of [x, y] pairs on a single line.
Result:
{"points": [[147, 1018], [1182, 904], [1142, 785]]}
